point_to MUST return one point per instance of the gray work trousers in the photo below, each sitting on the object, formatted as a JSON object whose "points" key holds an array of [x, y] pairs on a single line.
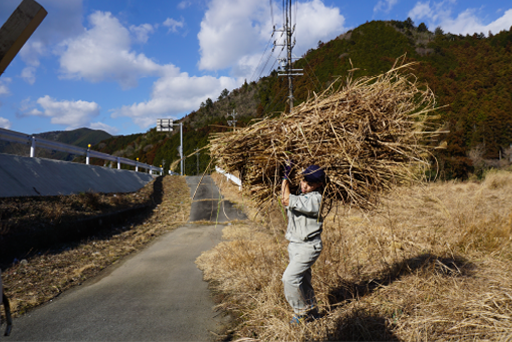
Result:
{"points": [[297, 276]]}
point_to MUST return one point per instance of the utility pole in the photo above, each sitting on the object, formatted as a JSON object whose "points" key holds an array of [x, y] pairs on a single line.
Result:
{"points": [[286, 63], [232, 122]]}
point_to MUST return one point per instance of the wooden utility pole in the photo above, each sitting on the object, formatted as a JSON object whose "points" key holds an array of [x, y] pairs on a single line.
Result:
{"points": [[18, 29]]}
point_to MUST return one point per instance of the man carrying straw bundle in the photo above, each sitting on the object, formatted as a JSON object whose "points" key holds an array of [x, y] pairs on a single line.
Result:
{"points": [[303, 232]]}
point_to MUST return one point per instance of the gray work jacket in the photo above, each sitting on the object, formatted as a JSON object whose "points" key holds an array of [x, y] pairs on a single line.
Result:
{"points": [[303, 221]]}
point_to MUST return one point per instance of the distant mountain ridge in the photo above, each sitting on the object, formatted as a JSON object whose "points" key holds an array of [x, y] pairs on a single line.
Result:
{"points": [[79, 137]]}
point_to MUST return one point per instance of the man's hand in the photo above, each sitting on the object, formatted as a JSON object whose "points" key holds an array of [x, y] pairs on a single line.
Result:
{"points": [[288, 169]]}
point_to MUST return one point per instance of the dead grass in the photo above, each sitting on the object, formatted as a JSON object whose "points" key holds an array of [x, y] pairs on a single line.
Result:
{"points": [[33, 212], [38, 279], [430, 262]]}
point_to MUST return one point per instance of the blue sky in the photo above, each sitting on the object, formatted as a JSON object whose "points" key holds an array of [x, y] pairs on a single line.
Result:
{"points": [[118, 65]]}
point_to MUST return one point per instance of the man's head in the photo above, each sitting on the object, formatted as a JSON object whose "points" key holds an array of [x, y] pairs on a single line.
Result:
{"points": [[314, 178]]}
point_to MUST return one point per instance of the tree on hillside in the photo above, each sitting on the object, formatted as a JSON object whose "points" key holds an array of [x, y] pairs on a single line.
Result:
{"points": [[223, 94], [209, 104], [409, 23]]}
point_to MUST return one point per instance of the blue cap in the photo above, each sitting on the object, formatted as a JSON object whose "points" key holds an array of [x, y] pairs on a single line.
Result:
{"points": [[314, 174]]}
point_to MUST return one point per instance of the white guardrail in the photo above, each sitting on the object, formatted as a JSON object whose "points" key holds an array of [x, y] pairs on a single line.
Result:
{"points": [[34, 142], [229, 176]]}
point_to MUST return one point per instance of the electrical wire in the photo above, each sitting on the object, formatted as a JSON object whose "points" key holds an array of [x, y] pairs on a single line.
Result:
{"points": [[264, 66], [276, 59], [261, 58]]}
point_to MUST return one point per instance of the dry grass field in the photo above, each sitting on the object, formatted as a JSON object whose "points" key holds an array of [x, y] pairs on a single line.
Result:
{"points": [[430, 262]]}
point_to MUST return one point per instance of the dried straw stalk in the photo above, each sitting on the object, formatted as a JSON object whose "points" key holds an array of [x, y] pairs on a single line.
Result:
{"points": [[367, 135]]}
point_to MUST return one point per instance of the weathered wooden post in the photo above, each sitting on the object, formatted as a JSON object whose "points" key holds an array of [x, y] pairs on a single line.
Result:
{"points": [[18, 29]]}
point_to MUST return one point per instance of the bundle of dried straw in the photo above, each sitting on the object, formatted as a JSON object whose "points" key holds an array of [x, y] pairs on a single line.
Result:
{"points": [[367, 135]]}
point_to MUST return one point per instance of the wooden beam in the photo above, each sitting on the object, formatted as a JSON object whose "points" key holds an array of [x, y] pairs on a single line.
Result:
{"points": [[18, 29]]}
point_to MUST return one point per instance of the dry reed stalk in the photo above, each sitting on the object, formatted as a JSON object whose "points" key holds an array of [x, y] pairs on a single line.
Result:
{"points": [[367, 136]]}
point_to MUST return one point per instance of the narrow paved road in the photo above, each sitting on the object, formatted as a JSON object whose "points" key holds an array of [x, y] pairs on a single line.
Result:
{"points": [[208, 204], [155, 295]]}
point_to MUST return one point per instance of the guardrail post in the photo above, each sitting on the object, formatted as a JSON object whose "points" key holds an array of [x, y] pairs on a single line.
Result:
{"points": [[118, 164], [87, 159], [33, 147]]}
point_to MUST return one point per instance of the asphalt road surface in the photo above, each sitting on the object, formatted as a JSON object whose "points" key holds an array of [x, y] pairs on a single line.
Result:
{"points": [[156, 295], [208, 204]]}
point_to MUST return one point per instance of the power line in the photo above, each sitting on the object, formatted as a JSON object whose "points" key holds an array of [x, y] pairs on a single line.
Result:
{"points": [[261, 58], [266, 48], [276, 59]]}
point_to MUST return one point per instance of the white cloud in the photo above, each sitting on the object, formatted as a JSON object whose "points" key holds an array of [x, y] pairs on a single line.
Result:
{"points": [[468, 21], [230, 30], [72, 114], [184, 4], [173, 24], [385, 6], [174, 94], [104, 127], [103, 53], [317, 22], [142, 32], [421, 10], [4, 123], [29, 74], [32, 51], [4, 89], [234, 32]]}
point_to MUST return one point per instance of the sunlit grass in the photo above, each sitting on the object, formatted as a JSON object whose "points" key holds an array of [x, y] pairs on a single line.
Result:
{"points": [[431, 262]]}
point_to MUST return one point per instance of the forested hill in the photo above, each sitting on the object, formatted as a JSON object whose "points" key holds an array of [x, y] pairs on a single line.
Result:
{"points": [[471, 74]]}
